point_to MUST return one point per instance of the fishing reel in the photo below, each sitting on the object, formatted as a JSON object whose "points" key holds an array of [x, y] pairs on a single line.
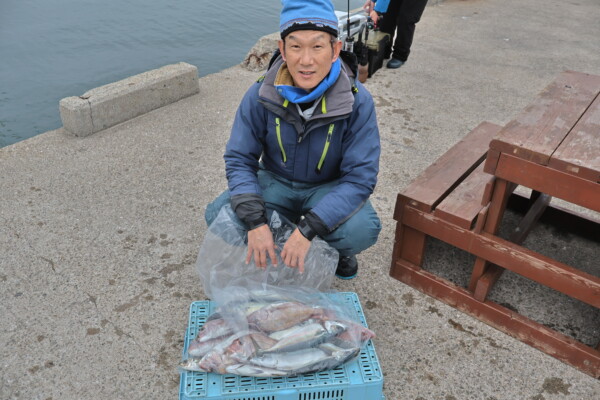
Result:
{"points": [[349, 44], [370, 23]]}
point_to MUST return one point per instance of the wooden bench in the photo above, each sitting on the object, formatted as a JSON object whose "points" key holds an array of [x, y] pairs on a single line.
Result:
{"points": [[451, 189], [552, 149]]}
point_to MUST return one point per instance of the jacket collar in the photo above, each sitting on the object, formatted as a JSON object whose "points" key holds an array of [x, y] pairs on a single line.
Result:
{"points": [[339, 98]]}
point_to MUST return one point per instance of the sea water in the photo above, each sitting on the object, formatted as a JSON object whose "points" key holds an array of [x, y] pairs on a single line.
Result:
{"points": [[51, 49]]}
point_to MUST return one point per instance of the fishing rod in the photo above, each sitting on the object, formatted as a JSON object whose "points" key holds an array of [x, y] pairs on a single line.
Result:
{"points": [[349, 42]]}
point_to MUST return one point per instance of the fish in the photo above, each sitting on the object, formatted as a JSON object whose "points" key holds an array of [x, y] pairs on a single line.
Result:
{"points": [[335, 327], [213, 329], [227, 352], [197, 348], [215, 361], [278, 335], [330, 348], [268, 296], [302, 337], [262, 341], [356, 333], [340, 354], [271, 336], [253, 370], [238, 347], [191, 364], [215, 315], [251, 307], [282, 315], [241, 308], [241, 349], [290, 361], [353, 331]]}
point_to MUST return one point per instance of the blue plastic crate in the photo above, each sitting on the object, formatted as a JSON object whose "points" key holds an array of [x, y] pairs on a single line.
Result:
{"points": [[359, 379]]}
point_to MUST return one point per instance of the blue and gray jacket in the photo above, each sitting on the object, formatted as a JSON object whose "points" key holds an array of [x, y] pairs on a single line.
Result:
{"points": [[381, 6], [339, 142]]}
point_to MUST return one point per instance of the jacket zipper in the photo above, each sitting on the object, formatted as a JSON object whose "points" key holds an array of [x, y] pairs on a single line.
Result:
{"points": [[325, 149], [278, 130]]}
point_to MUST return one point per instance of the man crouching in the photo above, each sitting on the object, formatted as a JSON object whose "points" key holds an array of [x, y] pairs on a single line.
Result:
{"points": [[305, 143]]}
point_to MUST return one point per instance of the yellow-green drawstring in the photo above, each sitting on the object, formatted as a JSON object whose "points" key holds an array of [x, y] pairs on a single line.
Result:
{"points": [[323, 105]]}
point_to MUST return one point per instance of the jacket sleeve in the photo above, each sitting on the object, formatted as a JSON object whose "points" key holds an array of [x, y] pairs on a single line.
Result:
{"points": [[381, 6], [242, 153], [359, 166]]}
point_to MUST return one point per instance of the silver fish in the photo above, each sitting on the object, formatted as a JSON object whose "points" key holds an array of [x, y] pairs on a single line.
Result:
{"points": [[191, 364], [253, 370], [268, 296], [353, 331], [304, 336], [278, 335], [341, 355], [292, 361], [335, 327]]}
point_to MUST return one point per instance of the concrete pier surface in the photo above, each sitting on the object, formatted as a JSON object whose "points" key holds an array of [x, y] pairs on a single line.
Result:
{"points": [[99, 235]]}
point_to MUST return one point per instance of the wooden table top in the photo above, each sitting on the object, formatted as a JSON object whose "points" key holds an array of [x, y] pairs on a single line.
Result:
{"points": [[560, 128]]}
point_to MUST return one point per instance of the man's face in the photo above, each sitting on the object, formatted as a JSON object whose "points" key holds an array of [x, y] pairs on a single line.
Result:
{"points": [[309, 55]]}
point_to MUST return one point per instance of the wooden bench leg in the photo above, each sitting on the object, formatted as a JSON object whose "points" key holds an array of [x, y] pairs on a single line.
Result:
{"points": [[409, 247], [491, 223], [540, 202], [492, 273], [409, 244], [487, 281], [480, 264]]}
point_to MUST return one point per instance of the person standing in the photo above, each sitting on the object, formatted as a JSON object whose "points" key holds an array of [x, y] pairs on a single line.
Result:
{"points": [[400, 18]]}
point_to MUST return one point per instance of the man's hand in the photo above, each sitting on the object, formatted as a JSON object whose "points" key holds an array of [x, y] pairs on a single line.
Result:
{"points": [[374, 17], [260, 242], [368, 6], [295, 249]]}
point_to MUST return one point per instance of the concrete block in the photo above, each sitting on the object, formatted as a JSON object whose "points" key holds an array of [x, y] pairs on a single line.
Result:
{"points": [[117, 102], [76, 115]]}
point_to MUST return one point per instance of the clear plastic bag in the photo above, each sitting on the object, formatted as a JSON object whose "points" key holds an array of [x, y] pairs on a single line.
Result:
{"points": [[274, 321], [221, 260], [276, 331]]}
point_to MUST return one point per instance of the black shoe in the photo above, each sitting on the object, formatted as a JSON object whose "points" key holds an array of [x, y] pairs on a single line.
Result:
{"points": [[347, 267], [395, 63]]}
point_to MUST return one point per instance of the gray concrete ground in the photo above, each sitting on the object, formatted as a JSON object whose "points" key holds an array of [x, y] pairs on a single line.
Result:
{"points": [[99, 235]]}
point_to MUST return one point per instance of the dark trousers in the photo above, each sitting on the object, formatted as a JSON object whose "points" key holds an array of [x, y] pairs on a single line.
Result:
{"points": [[292, 199], [401, 18]]}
